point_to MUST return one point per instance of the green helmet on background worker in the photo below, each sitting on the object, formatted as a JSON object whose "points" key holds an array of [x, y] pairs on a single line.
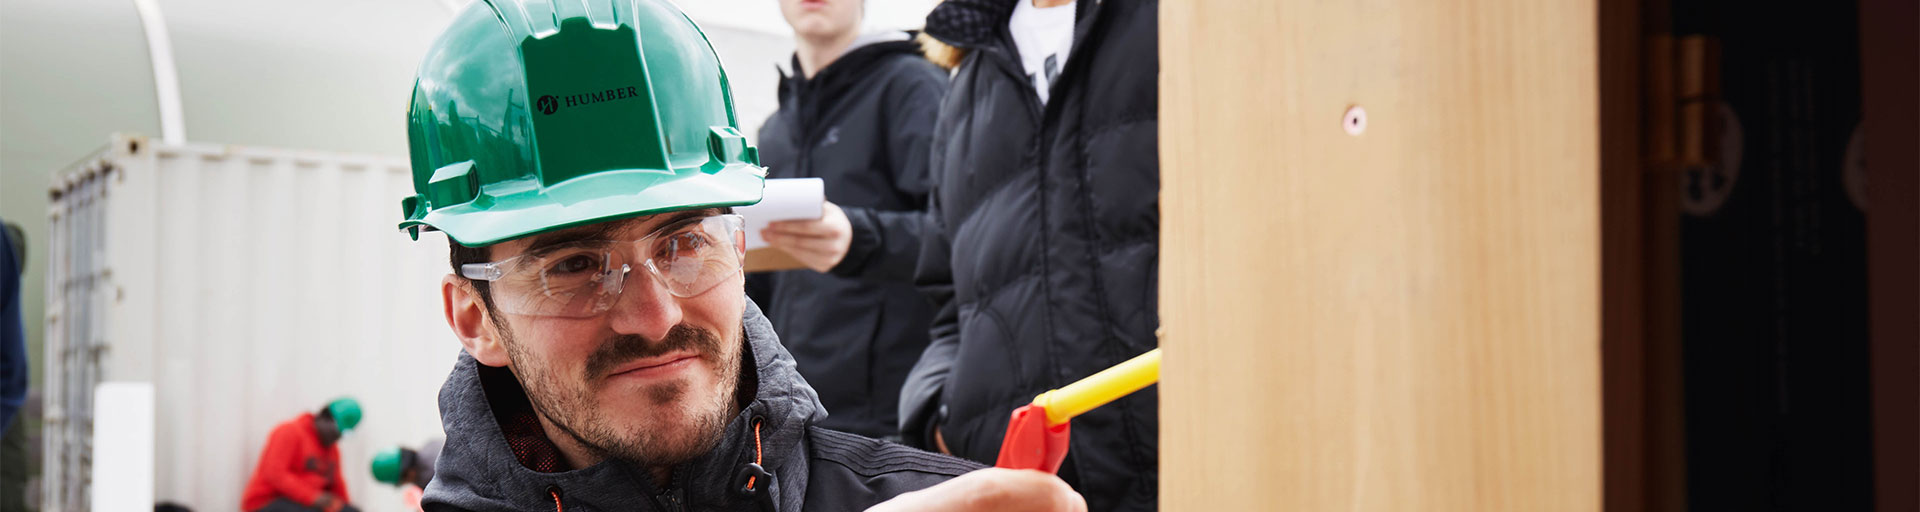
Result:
{"points": [[345, 412], [389, 465], [529, 116]]}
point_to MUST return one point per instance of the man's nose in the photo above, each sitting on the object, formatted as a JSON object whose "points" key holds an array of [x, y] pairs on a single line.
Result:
{"points": [[644, 307]]}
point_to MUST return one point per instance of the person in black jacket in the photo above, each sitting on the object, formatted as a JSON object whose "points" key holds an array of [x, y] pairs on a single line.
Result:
{"points": [[1041, 248], [857, 112], [13, 345]]}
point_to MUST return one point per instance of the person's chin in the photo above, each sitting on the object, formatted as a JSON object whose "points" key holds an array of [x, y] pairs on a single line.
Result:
{"points": [[636, 408], [817, 24]]}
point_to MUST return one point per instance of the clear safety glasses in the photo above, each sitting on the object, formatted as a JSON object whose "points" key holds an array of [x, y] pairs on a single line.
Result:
{"points": [[584, 279]]}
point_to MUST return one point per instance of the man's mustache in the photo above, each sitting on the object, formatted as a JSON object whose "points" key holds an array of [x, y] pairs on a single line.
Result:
{"points": [[624, 349]]}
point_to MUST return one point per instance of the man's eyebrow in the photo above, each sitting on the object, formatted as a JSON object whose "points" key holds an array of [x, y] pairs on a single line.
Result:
{"points": [[604, 230], [678, 216], [593, 232]]}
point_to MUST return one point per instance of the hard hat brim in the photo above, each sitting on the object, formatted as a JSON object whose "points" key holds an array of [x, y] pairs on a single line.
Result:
{"points": [[506, 212]]}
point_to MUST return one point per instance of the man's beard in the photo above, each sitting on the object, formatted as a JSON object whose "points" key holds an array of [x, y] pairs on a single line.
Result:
{"points": [[568, 403]]}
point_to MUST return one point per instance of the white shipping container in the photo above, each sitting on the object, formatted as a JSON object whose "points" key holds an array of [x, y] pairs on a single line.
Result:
{"points": [[247, 285]]}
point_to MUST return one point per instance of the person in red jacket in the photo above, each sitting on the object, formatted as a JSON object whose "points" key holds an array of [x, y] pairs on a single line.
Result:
{"points": [[300, 468]]}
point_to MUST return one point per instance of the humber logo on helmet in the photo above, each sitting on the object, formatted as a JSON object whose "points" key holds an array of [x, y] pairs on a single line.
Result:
{"points": [[548, 104]]}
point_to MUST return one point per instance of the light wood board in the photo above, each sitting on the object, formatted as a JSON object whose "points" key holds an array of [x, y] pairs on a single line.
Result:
{"points": [[1406, 319]]}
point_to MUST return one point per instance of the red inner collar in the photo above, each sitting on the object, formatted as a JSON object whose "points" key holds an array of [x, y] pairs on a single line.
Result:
{"points": [[517, 421]]}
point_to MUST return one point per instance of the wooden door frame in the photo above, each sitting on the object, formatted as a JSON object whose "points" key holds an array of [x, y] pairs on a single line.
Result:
{"points": [[1645, 467], [1890, 82], [1622, 284]]}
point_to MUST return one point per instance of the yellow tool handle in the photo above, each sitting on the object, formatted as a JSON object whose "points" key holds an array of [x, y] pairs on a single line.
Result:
{"points": [[1098, 389]]}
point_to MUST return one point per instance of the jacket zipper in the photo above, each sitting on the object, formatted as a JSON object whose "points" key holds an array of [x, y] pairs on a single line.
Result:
{"points": [[674, 497], [675, 500]]}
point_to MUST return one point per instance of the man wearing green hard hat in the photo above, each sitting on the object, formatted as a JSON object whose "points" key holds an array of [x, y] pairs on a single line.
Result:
{"points": [[299, 470], [582, 158], [409, 469]]}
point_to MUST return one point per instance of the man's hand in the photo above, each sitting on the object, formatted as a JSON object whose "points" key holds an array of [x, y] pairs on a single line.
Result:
{"points": [[818, 244], [995, 489]]}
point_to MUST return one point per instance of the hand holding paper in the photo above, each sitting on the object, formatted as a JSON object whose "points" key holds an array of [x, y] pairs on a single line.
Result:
{"points": [[783, 199], [819, 244], [801, 199]]}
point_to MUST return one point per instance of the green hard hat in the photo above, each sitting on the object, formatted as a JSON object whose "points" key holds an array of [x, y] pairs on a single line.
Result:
{"points": [[346, 413], [535, 115], [387, 466]]}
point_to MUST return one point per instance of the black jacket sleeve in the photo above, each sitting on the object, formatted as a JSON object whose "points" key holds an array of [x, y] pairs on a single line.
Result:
{"points": [[886, 244], [849, 472], [13, 344]]}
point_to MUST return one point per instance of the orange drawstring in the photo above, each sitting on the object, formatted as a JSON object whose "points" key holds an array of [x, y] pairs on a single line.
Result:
{"points": [[756, 452], [556, 501]]}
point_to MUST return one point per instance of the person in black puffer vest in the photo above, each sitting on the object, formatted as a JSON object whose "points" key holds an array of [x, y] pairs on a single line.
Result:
{"points": [[857, 112], [1041, 248]]}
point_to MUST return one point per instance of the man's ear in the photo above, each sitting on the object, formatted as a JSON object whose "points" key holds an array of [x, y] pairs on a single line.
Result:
{"points": [[468, 316]]}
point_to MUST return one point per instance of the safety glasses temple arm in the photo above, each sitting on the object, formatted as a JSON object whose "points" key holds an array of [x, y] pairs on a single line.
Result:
{"points": [[482, 271]]}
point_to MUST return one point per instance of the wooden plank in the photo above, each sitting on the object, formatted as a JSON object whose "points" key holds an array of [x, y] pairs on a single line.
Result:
{"points": [[1406, 319]]}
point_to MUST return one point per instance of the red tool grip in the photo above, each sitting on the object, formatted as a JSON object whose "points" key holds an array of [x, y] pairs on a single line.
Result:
{"points": [[1031, 444]]}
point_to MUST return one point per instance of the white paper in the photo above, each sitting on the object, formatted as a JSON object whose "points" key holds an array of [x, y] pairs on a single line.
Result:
{"points": [[785, 199]]}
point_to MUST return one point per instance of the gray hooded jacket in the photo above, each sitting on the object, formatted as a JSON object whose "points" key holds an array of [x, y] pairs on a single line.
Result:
{"points": [[495, 455]]}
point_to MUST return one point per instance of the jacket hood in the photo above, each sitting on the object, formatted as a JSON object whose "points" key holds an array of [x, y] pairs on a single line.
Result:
{"points": [[846, 71], [480, 468]]}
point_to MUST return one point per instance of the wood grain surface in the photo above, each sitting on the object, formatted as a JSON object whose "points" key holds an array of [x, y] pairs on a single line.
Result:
{"points": [[1404, 319]]}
